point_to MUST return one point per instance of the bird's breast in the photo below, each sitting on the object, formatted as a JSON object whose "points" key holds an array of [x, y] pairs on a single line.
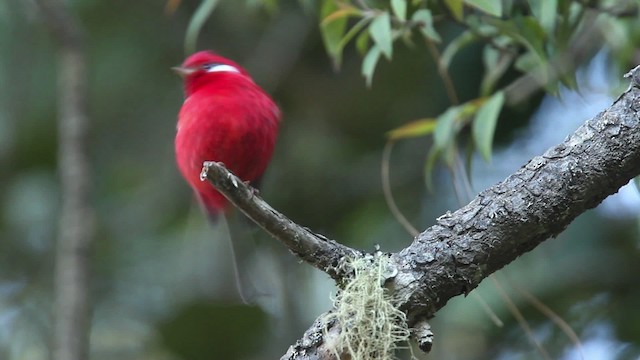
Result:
{"points": [[237, 129]]}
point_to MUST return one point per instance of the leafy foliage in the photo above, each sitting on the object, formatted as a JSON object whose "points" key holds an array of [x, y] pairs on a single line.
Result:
{"points": [[161, 277], [537, 38]]}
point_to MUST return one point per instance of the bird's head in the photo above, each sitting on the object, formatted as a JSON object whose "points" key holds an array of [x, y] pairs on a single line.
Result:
{"points": [[206, 67]]}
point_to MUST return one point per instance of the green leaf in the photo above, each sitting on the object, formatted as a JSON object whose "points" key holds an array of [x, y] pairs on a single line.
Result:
{"points": [[198, 19], [380, 30], [496, 63], [546, 12], [484, 124], [528, 32], [362, 42], [332, 29], [470, 108], [399, 8], [355, 29], [526, 62], [491, 7], [445, 129], [424, 16], [457, 9], [369, 63], [432, 158], [455, 45], [344, 11], [416, 128], [534, 33], [570, 80], [535, 39]]}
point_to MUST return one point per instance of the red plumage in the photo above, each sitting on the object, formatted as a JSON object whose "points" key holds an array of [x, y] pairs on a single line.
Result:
{"points": [[225, 117]]}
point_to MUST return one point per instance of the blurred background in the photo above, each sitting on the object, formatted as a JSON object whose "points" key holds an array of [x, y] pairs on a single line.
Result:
{"points": [[162, 285]]}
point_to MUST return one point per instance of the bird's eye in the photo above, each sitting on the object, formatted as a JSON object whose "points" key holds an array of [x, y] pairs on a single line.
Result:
{"points": [[216, 67]]}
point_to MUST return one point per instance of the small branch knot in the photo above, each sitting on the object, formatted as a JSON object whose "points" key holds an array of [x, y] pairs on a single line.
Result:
{"points": [[423, 335], [634, 75]]}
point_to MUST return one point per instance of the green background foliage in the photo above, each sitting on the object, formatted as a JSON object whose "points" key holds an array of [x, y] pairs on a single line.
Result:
{"points": [[162, 281]]}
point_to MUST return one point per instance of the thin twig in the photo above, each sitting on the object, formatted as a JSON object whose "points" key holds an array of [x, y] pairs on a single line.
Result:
{"points": [[553, 316], [444, 73], [521, 320], [388, 194]]}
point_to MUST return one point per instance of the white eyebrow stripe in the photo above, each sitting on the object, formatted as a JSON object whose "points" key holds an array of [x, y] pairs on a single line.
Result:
{"points": [[223, 68]]}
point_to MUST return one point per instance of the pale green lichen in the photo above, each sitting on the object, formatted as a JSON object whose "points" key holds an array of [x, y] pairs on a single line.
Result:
{"points": [[371, 325]]}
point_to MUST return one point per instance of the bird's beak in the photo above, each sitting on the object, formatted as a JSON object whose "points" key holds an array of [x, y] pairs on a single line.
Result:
{"points": [[183, 71]]}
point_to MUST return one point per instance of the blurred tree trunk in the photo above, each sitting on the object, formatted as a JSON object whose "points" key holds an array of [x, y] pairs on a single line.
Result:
{"points": [[72, 310]]}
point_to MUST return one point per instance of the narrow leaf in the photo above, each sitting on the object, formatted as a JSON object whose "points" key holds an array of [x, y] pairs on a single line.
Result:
{"points": [[355, 29], [369, 63], [457, 9], [496, 63], [362, 42], [198, 19], [399, 8], [432, 158], [491, 7], [484, 124], [445, 129], [416, 128], [424, 17], [468, 109], [455, 45], [570, 80], [380, 30], [546, 12], [341, 13], [332, 30], [528, 32], [526, 62]]}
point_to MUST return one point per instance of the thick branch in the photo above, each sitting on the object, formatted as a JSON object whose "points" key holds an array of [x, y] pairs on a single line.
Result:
{"points": [[503, 222], [317, 250], [72, 305], [535, 203], [513, 217]]}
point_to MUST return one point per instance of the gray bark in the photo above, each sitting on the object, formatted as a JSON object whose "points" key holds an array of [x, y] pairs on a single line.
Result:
{"points": [[535, 203]]}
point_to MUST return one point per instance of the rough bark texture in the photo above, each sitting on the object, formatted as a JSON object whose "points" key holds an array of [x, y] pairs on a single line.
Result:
{"points": [[535, 203]]}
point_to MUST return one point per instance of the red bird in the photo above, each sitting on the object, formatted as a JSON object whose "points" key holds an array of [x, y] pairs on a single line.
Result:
{"points": [[225, 117]]}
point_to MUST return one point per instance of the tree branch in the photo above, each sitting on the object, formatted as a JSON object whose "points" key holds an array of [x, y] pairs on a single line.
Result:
{"points": [[503, 222], [325, 254], [511, 218], [72, 308]]}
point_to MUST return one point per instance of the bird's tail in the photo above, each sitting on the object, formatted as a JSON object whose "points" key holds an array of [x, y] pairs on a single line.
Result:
{"points": [[240, 231], [243, 250], [211, 207]]}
